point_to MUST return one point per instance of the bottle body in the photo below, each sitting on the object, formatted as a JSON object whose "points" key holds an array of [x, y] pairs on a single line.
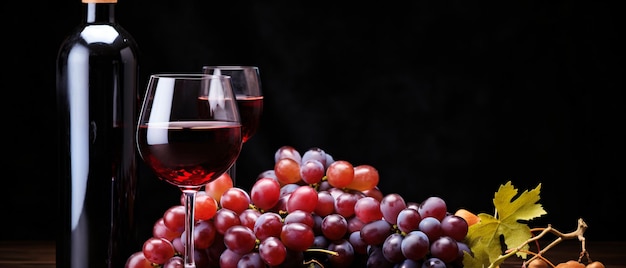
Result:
{"points": [[97, 69]]}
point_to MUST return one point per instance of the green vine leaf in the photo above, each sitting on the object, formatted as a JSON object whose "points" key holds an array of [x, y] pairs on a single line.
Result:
{"points": [[484, 237]]}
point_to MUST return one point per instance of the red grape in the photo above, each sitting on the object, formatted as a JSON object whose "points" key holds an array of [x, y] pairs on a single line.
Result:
{"points": [[316, 154], [138, 260], [408, 220], [161, 231], [204, 234], [444, 248], [312, 171], [325, 204], [248, 217], [174, 218], [340, 173], [158, 250], [251, 260], [205, 207], [390, 206], [235, 199], [297, 236], [269, 224], [357, 242], [224, 219], [272, 251], [287, 171], [265, 193], [218, 186], [345, 253], [240, 239], [304, 198], [229, 259], [365, 178], [392, 249], [454, 226], [431, 227], [415, 245], [334, 227], [287, 152], [367, 209], [345, 203], [375, 233], [433, 207], [301, 217]]}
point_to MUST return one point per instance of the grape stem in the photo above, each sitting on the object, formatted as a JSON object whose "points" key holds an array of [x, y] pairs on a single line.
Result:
{"points": [[329, 252], [578, 234]]}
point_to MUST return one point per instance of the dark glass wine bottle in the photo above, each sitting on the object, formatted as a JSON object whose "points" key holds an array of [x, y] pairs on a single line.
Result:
{"points": [[97, 101]]}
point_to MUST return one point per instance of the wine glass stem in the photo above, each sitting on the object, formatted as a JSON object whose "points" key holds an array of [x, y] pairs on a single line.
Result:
{"points": [[190, 197], [232, 172]]}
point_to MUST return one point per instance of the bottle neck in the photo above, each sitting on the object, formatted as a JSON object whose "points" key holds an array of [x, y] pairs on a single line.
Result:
{"points": [[99, 12]]}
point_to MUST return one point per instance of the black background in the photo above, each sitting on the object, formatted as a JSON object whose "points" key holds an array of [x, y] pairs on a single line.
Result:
{"points": [[447, 98]]}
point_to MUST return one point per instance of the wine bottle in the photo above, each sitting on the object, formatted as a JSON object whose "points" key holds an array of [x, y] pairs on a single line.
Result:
{"points": [[97, 101]]}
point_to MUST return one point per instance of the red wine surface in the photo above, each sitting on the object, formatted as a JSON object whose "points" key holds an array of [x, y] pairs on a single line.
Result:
{"points": [[250, 109]]}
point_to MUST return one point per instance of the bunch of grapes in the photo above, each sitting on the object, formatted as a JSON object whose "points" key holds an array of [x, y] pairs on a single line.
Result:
{"points": [[308, 209]]}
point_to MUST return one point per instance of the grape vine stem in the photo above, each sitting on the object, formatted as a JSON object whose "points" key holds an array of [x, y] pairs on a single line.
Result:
{"points": [[578, 234], [329, 252]]}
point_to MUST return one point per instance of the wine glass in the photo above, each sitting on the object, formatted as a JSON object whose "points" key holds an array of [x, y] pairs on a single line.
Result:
{"points": [[246, 83], [189, 133]]}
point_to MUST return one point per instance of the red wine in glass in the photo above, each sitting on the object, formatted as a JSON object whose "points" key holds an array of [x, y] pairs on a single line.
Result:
{"points": [[177, 151], [250, 108]]}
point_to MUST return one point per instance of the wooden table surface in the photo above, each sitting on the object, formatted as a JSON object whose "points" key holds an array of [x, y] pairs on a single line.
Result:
{"points": [[39, 254]]}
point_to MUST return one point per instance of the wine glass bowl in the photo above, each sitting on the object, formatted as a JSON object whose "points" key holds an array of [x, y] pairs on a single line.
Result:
{"points": [[189, 133], [247, 88], [246, 83], [189, 154]]}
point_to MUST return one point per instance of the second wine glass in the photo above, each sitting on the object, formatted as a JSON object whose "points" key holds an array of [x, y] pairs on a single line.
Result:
{"points": [[189, 133], [246, 83]]}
